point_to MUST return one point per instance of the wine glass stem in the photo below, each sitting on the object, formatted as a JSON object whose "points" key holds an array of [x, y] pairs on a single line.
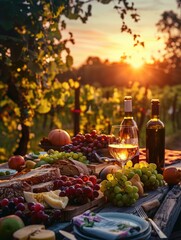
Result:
{"points": [[120, 163]]}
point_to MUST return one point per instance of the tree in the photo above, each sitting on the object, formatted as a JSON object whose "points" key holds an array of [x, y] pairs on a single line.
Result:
{"points": [[33, 51], [170, 27]]}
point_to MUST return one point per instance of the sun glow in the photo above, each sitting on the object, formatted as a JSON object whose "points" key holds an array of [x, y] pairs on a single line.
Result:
{"points": [[136, 61]]}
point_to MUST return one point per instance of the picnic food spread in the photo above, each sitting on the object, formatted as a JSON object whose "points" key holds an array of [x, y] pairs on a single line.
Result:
{"points": [[46, 186]]}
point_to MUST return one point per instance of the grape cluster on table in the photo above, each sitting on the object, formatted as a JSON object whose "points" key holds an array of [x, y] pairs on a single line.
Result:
{"points": [[87, 144], [147, 172], [53, 155], [30, 213], [79, 189], [119, 190]]}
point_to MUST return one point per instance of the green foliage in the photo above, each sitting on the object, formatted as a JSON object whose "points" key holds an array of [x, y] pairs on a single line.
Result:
{"points": [[100, 107], [33, 51], [169, 26]]}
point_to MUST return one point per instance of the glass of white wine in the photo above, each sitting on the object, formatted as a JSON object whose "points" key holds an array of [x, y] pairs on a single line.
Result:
{"points": [[123, 143]]}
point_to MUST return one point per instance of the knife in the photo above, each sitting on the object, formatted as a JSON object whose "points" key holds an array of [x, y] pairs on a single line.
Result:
{"points": [[68, 235]]}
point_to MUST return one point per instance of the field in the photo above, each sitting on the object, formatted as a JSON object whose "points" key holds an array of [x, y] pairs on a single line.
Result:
{"points": [[99, 109]]}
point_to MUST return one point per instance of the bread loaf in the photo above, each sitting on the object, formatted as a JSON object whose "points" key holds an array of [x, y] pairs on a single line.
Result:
{"points": [[71, 167]]}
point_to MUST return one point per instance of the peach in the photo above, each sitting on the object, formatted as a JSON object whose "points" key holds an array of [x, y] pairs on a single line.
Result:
{"points": [[172, 175]]}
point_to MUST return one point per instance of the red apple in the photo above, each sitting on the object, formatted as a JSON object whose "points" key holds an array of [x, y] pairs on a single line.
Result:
{"points": [[8, 225], [15, 162]]}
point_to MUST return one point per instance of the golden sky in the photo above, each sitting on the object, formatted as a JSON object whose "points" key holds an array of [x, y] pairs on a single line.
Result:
{"points": [[101, 35]]}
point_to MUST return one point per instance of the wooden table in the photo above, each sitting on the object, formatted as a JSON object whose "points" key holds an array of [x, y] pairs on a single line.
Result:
{"points": [[166, 214]]}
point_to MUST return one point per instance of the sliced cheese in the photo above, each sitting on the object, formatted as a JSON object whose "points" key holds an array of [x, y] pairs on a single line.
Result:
{"points": [[48, 199], [59, 203], [35, 197], [53, 194]]}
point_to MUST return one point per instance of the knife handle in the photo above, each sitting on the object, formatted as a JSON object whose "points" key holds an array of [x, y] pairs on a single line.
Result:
{"points": [[157, 229]]}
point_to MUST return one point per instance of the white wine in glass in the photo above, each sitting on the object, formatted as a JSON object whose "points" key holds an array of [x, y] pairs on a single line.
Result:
{"points": [[123, 143]]}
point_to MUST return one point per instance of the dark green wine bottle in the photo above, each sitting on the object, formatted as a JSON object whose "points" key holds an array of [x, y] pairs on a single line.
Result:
{"points": [[155, 138], [129, 120]]}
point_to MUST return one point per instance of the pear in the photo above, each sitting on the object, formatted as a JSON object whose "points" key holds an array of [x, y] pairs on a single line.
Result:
{"points": [[8, 225], [136, 181], [25, 232]]}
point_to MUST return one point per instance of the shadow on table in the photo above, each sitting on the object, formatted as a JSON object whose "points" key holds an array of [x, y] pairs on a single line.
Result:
{"points": [[176, 234]]}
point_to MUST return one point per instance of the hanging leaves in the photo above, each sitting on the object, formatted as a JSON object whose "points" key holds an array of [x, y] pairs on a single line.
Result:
{"points": [[69, 61], [44, 106]]}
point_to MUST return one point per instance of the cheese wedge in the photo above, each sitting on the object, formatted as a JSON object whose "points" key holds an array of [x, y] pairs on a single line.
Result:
{"points": [[47, 199], [35, 198], [57, 203]]}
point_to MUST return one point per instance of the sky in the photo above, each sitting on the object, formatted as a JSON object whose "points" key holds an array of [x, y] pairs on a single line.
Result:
{"points": [[101, 35]]}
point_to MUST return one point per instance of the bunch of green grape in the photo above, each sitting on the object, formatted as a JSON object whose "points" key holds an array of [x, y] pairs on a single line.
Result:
{"points": [[54, 155], [147, 172], [119, 190]]}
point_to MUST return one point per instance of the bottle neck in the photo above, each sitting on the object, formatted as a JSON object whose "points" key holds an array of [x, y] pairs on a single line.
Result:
{"points": [[155, 111], [128, 115], [128, 109]]}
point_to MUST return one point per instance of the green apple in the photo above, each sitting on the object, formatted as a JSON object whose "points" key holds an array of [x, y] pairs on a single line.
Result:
{"points": [[8, 225]]}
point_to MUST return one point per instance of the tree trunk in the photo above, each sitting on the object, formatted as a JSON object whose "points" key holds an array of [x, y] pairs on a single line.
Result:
{"points": [[76, 111], [23, 143]]}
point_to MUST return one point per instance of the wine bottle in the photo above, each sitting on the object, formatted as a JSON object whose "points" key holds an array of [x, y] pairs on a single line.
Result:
{"points": [[155, 137], [129, 120]]}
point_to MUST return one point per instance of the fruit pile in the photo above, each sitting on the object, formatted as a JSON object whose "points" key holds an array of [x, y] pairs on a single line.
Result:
{"points": [[31, 213], [124, 187], [45, 208], [79, 190], [87, 144]]}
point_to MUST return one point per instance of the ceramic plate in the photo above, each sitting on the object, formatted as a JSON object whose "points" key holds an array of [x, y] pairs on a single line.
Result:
{"points": [[4, 171], [144, 236], [131, 219]]}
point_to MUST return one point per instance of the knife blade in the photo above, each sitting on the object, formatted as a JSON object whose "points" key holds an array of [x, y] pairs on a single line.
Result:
{"points": [[68, 235]]}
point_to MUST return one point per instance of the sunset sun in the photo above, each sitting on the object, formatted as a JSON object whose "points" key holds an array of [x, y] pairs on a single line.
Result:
{"points": [[136, 61]]}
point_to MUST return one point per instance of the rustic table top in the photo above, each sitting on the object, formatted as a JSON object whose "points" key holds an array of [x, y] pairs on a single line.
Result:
{"points": [[162, 205]]}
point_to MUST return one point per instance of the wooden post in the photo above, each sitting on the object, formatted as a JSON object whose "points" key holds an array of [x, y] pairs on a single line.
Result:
{"points": [[76, 112]]}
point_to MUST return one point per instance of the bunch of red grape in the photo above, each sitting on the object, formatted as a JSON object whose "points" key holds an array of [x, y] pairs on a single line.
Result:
{"points": [[79, 190], [31, 213], [88, 144]]}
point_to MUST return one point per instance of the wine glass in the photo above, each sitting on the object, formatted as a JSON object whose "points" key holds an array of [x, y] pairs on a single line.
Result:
{"points": [[123, 143]]}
